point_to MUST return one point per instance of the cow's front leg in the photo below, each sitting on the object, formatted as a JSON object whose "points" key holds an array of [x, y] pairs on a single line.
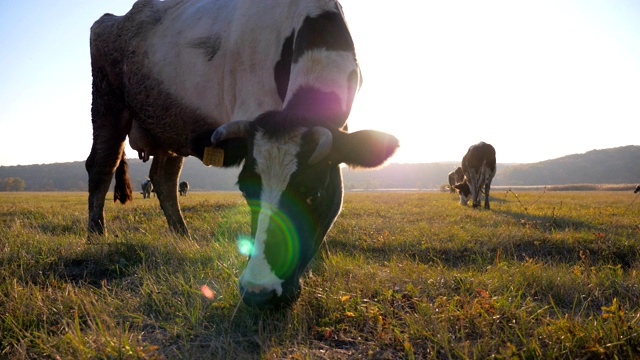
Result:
{"points": [[476, 197], [164, 174]]}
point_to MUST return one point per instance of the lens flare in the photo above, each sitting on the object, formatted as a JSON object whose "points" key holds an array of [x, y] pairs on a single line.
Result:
{"points": [[282, 246], [245, 246], [207, 292]]}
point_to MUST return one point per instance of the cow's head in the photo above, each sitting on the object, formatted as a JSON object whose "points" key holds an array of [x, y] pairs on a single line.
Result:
{"points": [[292, 182], [464, 190]]}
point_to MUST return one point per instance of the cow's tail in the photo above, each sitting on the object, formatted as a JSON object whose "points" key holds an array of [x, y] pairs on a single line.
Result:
{"points": [[122, 191]]}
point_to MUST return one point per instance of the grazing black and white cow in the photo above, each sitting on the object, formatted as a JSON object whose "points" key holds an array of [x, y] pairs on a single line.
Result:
{"points": [[455, 177], [265, 84], [183, 188], [637, 190], [147, 188], [479, 168]]}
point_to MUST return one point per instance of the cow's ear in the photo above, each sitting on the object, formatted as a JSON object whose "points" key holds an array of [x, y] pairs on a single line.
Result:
{"points": [[366, 148], [235, 149]]}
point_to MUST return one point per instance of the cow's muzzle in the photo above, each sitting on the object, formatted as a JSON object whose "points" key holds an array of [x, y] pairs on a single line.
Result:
{"points": [[269, 299]]}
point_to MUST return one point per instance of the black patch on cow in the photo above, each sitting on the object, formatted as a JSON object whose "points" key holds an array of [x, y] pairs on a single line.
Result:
{"points": [[463, 188], [282, 70], [199, 141], [210, 45], [235, 151], [325, 31]]}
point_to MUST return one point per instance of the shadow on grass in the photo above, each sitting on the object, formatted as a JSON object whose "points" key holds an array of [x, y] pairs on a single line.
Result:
{"points": [[478, 254], [98, 263], [549, 223]]}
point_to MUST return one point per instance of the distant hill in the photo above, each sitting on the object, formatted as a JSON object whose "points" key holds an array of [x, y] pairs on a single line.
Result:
{"points": [[609, 166], [619, 165]]}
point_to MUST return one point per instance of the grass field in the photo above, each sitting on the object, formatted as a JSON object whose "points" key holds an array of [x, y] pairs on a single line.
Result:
{"points": [[402, 276]]}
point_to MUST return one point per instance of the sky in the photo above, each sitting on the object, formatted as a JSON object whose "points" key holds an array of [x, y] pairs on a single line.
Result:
{"points": [[538, 79]]}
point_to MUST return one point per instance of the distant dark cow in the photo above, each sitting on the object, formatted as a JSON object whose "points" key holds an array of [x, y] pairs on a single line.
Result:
{"points": [[479, 168], [147, 189], [637, 190], [263, 84], [183, 188], [455, 177]]}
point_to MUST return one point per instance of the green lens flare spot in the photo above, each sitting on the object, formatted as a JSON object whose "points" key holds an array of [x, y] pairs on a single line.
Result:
{"points": [[245, 246]]}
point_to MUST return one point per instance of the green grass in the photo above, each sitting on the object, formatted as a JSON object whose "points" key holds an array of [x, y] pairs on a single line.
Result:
{"points": [[402, 275]]}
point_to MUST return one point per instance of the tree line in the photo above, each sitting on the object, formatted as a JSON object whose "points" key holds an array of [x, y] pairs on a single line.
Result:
{"points": [[12, 184]]}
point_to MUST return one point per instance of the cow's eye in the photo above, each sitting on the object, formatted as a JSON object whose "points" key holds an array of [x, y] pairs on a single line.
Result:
{"points": [[313, 198]]}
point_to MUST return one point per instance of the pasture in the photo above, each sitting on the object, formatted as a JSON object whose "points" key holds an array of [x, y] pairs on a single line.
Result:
{"points": [[402, 276]]}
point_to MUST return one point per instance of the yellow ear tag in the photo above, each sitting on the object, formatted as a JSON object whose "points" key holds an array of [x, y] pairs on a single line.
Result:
{"points": [[213, 156]]}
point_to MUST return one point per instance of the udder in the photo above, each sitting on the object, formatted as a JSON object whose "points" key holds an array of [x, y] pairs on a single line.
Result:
{"points": [[140, 140]]}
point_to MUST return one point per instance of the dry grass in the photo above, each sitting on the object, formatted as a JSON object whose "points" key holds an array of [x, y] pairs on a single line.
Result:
{"points": [[402, 275]]}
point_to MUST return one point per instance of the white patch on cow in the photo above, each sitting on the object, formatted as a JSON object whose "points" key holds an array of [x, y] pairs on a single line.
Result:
{"points": [[327, 71], [237, 82], [276, 161], [464, 200]]}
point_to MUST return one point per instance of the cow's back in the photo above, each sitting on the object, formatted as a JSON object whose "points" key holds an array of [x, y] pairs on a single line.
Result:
{"points": [[217, 57], [189, 66], [478, 155], [113, 38]]}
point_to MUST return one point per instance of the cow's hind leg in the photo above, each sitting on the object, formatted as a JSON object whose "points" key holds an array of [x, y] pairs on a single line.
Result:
{"points": [[164, 174], [487, 187], [106, 158], [110, 128]]}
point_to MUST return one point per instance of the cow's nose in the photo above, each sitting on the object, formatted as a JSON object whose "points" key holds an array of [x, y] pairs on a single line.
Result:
{"points": [[269, 299], [259, 300]]}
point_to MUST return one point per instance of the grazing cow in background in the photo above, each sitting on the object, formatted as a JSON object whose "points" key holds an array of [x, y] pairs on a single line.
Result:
{"points": [[455, 177], [147, 189], [479, 168], [183, 188], [263, 84], [459, 175], [637, 190], [452, 181]]}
